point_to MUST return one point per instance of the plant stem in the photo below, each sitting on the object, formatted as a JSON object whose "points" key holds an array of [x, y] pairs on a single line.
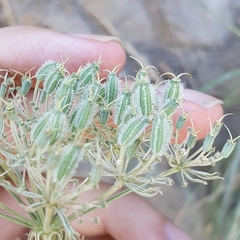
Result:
{"points": [[47, 219]]}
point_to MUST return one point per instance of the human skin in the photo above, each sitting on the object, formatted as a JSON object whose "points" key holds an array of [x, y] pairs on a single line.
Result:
{"points": [[24, 48]]}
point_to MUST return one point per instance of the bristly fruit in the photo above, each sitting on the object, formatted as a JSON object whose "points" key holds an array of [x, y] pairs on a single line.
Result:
{"points": [[123, 132]]}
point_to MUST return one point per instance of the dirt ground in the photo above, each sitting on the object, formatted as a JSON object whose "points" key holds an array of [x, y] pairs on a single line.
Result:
{"points": [[178, 36]]}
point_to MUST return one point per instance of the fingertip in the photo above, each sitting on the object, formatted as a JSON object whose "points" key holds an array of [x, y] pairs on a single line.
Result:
{"points": [[199, 118], [25, 47]]}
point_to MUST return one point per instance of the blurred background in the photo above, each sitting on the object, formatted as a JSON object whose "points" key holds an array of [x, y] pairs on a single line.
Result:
{"points": [[201, 37]]}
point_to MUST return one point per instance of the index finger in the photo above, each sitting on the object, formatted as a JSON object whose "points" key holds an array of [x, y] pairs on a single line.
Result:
{"points": [[24, 48]]}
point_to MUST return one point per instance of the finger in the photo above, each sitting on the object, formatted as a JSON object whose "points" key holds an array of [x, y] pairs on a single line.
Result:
{"points": [[23, 48], [130, 217], [203, 109]]}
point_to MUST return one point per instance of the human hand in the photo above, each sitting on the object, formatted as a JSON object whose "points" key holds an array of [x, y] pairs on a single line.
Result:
{"points": [[23, 48]]}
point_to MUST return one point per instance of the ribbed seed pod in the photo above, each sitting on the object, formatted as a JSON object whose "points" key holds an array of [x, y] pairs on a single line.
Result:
{"points": [[52, 81], [216, 128], [63, 88], [191, 140], [228, 148], [111, 88], [87, 74], [85, 113], [132, 130], [26, 85], [65, 95], [58, 122], [101, 93], [71, 156], [43, 96], [161, 133], [208, 142], [142, 76], [170, 107], [145, 98], [37, 131], [173, 89], [104, 116], [121, 107], [49, 129], [47, 67], [67, 100], [131, 150], [181, 121]]}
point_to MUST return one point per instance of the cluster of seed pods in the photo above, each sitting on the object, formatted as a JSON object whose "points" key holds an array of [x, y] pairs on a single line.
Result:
{"points": [[77, 114]]}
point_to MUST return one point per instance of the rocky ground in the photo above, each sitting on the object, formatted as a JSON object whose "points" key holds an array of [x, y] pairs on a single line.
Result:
{"points": [[194, 36]]}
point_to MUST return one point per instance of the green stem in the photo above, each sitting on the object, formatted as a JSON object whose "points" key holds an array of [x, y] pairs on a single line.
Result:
{"points": [[169, 172], [15, 136], [47, 220], [110, 191], [13, 212], [35, 91], [121, 158], [16, 220]]}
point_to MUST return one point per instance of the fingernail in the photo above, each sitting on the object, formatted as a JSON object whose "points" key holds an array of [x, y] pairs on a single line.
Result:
{"points": [[174, 233], [100, 38], [202, 99]]}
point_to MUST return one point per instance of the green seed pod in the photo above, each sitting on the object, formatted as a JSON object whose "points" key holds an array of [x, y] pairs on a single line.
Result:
{"points": [[49, 129], [52, 81], [228, 148], [62, 89], [173, 89], [43, 96], [145, 98], [161, 134], [87, 74], [101, 93], [121, 107], [95, 174], [72, 117], [191, 140], [66, 102], [170, 107], [216, 128], [131, 150], [104, 116], [26, 85], [132, 130], [37, 133], [85, 113], [91, 91], [65, 99], [71, 156], [142, 76], [208, 142], [44, 70], [111, 88], [181, 121], [3, 89], [58, 122]]}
